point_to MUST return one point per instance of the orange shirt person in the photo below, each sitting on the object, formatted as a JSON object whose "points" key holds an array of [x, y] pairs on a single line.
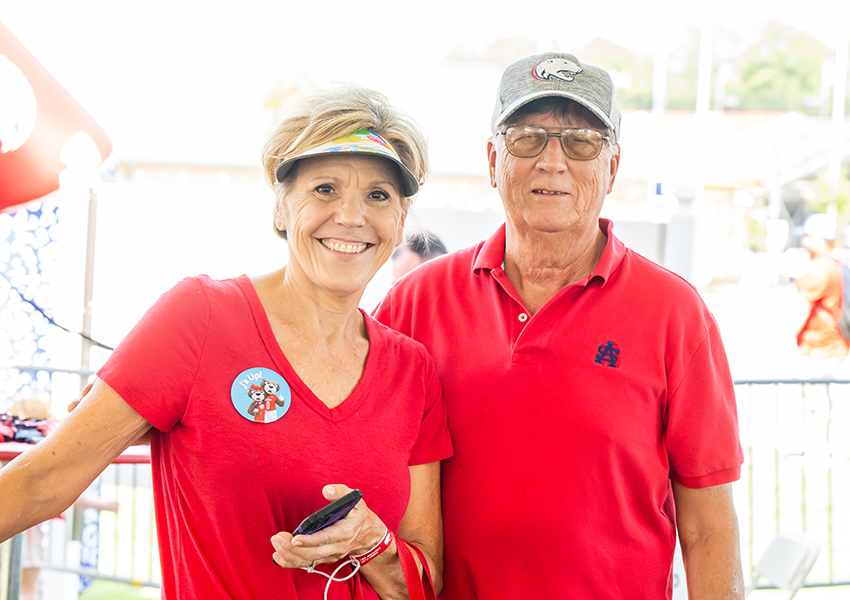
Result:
{"points": [[822, 286]]}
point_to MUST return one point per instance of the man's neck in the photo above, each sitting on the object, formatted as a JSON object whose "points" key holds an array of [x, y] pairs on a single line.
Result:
{"points": [[541, 264]]}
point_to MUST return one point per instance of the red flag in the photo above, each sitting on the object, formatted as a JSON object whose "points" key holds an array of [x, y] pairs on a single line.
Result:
{"points": [[37, 118]]}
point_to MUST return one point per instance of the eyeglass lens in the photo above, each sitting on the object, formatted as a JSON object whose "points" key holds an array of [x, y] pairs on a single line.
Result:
{"points": [[579, 144]]}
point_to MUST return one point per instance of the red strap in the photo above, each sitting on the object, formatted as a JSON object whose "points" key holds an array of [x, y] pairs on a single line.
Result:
{"points": [[419, 588]]}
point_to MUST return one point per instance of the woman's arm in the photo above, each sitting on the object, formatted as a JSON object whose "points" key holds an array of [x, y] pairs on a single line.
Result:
{"points": [[422, 525], [143, 439], [362, 529], [46, 479]]}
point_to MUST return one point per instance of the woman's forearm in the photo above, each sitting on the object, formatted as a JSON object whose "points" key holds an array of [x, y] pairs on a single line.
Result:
{"points": [[46, 479], [28, 494], [421, 525]]}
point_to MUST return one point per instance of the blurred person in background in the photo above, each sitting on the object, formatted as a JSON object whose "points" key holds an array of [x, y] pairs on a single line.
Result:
{"points": [[266, 397], [588, 392], [421, 247], [819, 339]]}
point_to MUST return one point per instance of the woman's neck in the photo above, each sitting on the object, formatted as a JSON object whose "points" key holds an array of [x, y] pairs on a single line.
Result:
{"points": [[291, 300]]}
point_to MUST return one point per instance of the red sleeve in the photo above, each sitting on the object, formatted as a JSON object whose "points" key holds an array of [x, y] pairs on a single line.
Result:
{"points": [[702, 424], [434, 442], [382, 312], [153, 369]]}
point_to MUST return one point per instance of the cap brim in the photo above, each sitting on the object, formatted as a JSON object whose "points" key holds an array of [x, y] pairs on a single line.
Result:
{"points": [[410, 187], [606, 120]]}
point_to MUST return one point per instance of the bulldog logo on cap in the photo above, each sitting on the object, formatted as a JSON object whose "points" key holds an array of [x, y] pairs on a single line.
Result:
{"points": [[556, 68]]}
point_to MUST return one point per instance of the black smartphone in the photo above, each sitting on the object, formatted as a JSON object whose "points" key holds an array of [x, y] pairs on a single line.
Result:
{"points": [[330, 514]]}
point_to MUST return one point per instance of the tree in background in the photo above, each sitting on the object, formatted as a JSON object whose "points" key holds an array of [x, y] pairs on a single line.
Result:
{"points": [[631, 72], [780, 71]]}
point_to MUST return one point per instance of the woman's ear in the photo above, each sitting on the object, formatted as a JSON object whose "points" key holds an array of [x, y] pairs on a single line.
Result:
{"points": [[279, 220], [400, 233]]}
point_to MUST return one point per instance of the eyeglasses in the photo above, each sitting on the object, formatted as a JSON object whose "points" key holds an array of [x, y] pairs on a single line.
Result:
{"points": [[526, 141]]}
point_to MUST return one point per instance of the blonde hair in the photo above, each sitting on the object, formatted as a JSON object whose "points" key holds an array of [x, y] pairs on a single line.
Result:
{"points": [[337, 112]]}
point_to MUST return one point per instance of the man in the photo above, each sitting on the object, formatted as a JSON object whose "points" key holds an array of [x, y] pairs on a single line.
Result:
{"points": [[588, 392], [822, 285], [420, 248]]}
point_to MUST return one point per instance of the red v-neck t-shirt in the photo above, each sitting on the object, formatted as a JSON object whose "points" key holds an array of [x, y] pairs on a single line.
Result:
{"points": [[226, 480], [569, 424]]}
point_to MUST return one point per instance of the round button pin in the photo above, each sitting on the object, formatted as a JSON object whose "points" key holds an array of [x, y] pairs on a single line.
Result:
{"points": [[260, 395]]}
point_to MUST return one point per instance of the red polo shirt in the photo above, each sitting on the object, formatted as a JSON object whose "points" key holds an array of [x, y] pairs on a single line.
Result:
{"points": [[569, 424]]}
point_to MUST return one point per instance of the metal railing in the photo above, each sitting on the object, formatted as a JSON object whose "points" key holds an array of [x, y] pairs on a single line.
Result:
{"points": [[796, 475], [87, 543]]}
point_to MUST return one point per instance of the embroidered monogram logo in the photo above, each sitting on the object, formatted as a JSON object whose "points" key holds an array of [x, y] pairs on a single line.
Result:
{"points": [[607, 354]]}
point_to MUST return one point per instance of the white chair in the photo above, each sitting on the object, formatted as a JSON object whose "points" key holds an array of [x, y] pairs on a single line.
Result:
{"points": [[786, 562]]}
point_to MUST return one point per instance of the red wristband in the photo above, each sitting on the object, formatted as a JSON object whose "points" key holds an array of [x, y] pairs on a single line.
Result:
{"points": [[385, 543]]}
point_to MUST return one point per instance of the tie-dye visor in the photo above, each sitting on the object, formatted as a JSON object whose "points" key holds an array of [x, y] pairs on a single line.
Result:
{"points": [[362, 141]]}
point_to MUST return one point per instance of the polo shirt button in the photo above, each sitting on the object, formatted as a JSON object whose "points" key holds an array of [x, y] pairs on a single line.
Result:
{"points": [[523, 317]]}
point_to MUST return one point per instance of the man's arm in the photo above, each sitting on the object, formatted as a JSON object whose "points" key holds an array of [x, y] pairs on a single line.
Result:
{"points": [[711, 550]]}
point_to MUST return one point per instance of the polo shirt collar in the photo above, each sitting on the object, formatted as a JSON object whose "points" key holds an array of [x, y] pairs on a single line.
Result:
{"points": [[492, 253]]}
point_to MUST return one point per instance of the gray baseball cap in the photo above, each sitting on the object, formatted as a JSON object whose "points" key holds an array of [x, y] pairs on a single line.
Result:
{"points": [[556, 74]]}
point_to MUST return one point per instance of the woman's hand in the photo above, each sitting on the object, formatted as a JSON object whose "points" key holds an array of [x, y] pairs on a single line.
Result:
{"points": [[143, 440], [361, 530], [356, 534]]}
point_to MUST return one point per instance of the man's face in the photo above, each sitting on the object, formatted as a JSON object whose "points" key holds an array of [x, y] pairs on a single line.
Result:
{"points": [[815, 245], [550, 192]]}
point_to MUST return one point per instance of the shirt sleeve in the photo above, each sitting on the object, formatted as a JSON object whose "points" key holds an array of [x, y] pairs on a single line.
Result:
{"points": [[154, 367], [434, 442], [383, 312], [702, 422]]}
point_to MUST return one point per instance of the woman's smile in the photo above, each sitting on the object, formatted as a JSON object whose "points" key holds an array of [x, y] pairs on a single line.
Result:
{"points": [[344, 216], [345, 247]]}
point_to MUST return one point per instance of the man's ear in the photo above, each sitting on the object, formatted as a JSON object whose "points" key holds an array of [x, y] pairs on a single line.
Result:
{"points": [[491, 162], [613, 165]]}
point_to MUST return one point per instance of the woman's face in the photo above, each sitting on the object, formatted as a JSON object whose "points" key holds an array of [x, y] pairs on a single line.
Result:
{"points": [[343, 215]]}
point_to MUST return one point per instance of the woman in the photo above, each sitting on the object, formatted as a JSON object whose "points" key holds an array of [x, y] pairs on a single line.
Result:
{"points": [[266, 398]]}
